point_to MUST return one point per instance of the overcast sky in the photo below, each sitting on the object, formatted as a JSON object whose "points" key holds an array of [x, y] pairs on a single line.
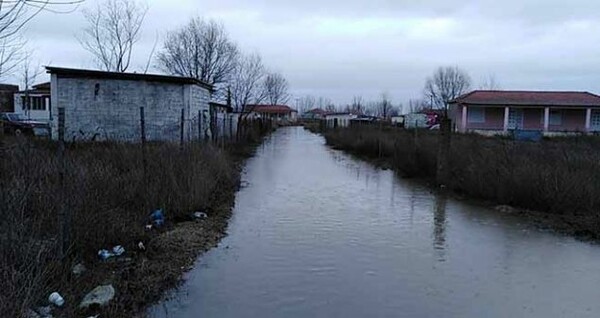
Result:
{"points": [[342, 48]]}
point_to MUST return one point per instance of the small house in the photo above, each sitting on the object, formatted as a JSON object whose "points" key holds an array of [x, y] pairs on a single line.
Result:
{"points": [[337, 120], [279, 113], [316, 113], [102, 105], [34, 103], [549, 112]]}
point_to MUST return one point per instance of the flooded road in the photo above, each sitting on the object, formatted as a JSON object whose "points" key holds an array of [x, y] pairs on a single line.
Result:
{"points": [[316, 233]]}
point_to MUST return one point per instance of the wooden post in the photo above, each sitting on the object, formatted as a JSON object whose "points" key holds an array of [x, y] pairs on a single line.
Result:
{"points": [[230, 127], [200, 125], [142, 126], [181, 129], [443, 160], [379, 139], [62, 212], [144, 156]]}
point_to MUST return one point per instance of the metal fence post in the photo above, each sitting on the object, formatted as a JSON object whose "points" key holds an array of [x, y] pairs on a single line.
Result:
{"points": [[181, 130]]}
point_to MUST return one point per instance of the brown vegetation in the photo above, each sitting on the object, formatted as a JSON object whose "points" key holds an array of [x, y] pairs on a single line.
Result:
{"points": [[557, 176], [108, 198]]}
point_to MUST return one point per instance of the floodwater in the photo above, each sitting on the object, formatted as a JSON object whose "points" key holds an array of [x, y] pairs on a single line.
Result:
{"points": [[317, 233]]}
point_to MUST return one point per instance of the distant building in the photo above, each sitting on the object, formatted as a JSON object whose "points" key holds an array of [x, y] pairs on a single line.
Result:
{"points": [[549, 112], [34, 103], [280, 113], [106, 105], [397, 120], [316, 113], [337, 120], [7, 99]]}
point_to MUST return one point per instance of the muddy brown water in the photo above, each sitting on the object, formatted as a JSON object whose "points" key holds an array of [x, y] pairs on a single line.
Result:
{"points": [[317, 233]]}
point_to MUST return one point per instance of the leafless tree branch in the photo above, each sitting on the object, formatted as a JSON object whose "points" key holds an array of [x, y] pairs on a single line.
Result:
{"points": [[276, 89], [202, 50], [446, 84], [113, 30], [246, 81]]}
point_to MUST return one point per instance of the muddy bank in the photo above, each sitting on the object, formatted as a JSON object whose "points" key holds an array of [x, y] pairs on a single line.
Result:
{"points": [[551, 183]]}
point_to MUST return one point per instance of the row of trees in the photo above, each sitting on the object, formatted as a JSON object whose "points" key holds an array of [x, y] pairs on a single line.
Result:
{"points": [[382, 107], [200, 49], [446, 84]]}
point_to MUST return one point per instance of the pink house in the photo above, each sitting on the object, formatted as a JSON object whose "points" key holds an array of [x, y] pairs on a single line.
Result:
{"points": [[549, 112]]}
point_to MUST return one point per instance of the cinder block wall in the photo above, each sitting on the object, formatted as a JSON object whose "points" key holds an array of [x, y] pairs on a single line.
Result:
{"points": [[107, 109]]}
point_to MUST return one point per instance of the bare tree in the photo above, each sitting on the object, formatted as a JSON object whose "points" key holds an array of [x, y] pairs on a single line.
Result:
{"points": [[384, 106], [276, 89], [12, 54], [331, 108], [14, 15], [323, 102], [245, 85], [306, 103], [357, 106], [200, 50], [113, 30], [30, 73], [490, 83], [446, 84], [417, 105]]}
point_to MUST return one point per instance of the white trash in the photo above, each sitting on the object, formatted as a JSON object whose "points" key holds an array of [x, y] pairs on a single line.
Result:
{"points": [[200, 215], [100, 296], [118, 250], [56, 299]]}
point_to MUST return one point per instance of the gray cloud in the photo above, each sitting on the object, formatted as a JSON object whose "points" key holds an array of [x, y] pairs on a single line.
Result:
{"points": [[338, 49]]}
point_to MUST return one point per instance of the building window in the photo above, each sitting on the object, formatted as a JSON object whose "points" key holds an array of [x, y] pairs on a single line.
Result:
{"points": [[555, 118], [35, 103], [595, 120], [515, 119], [476, 115]]}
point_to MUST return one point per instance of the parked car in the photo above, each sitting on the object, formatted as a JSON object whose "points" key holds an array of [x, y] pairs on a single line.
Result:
{"points": [[17, 124]]}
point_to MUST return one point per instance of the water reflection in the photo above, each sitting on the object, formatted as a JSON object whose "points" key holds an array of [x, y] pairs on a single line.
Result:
{"points": [[439, 225], [317, 233]]}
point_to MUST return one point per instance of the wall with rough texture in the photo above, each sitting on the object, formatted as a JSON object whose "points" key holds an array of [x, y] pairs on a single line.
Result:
{"points": [[109, 109]]}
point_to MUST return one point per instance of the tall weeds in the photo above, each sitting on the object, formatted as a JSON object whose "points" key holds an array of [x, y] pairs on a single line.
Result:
{"points": [[558, 176], [108, 198]]}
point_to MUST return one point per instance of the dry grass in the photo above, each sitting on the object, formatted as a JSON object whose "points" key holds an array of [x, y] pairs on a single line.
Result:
{"points": [[109, 197], [557, 176]]}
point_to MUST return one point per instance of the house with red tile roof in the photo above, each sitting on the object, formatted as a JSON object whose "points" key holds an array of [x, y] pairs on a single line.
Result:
{"points": [[277, 112], [550, 112]]}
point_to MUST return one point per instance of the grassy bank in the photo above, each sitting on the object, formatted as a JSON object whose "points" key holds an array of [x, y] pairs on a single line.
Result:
{"points": [[558, 177], [108, 197]]}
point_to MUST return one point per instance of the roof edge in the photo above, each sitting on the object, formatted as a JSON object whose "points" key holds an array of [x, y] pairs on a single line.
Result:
{"points": [[82, 73]]}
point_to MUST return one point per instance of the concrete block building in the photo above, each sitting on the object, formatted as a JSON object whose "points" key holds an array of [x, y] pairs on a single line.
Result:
{"points": [[106, 105]]}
